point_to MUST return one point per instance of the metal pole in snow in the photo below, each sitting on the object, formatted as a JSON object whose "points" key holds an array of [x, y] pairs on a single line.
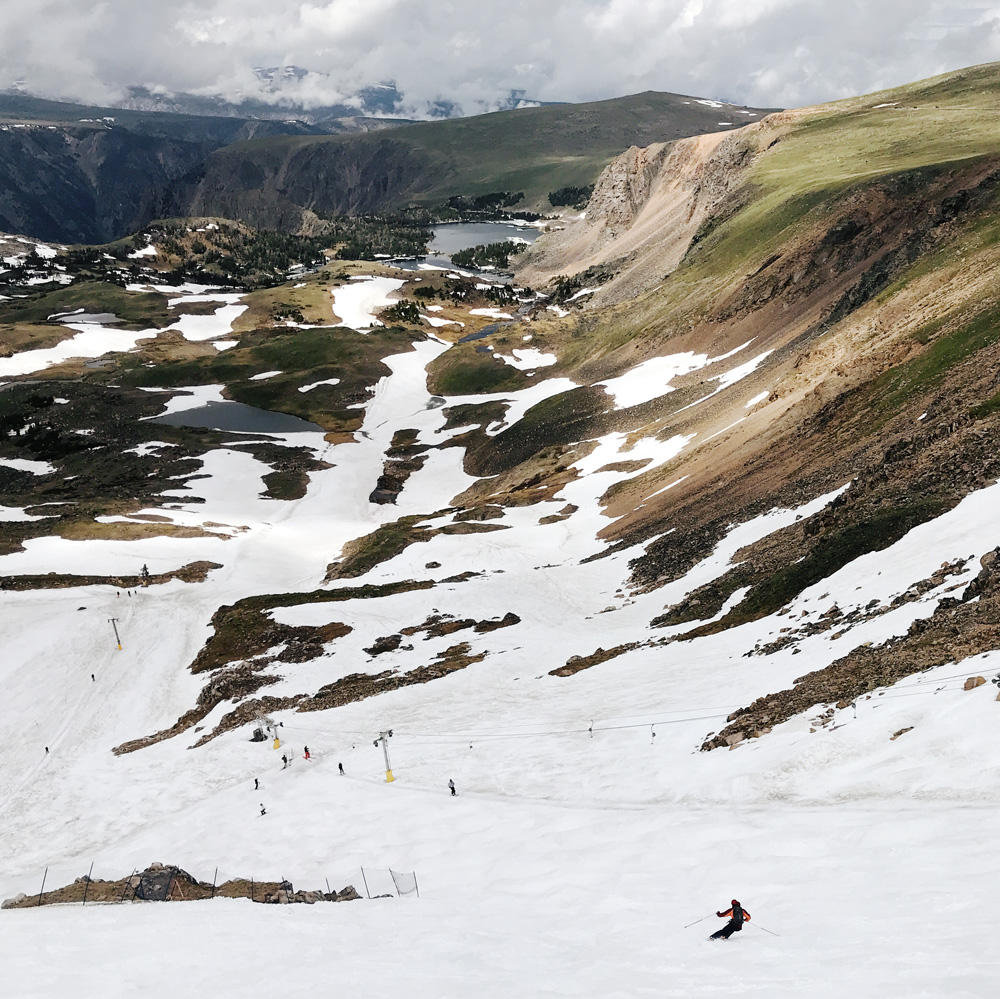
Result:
{"points": [[215, 877], [384, 737], [40, 890], [86, 886], [363, 878], [128, 881], [385, 752], [415, 885], [114, 624]]}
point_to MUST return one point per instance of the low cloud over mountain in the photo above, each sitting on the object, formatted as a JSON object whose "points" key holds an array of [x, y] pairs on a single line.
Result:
{"points": [[469, 58]]}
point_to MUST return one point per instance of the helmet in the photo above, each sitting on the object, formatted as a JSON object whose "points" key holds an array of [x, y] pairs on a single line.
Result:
{"points": [[734, 902]]}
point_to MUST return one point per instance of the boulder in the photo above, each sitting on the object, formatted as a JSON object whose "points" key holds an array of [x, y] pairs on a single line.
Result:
{"points": [[10, 903], [973, 682]]}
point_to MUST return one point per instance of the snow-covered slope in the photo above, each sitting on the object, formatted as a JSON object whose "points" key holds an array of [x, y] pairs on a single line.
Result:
{"points": [[700, 599], [588, 829]]}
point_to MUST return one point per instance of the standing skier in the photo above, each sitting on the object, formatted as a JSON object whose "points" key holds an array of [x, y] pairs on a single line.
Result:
{"points": [[256, 783], [284, 761], [737, 916], [306, 751], [451, 784], [341, 765]]}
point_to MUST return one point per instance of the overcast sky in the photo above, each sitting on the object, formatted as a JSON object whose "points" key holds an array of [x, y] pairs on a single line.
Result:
{"points": [[474, 52]]}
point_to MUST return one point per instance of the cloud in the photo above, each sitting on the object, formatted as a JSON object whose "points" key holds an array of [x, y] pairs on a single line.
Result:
{"points": [[758, 52]]}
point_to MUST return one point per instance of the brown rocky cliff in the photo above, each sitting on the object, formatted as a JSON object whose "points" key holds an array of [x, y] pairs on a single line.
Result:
{"points": [[645, 210]]}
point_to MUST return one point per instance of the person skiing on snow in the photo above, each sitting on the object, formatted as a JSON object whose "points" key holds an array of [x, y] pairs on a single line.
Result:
{"points": [[341, 765], [284, 762], [263, 810], [256, 783], [737, 916], [306, 751], [451, 784]]}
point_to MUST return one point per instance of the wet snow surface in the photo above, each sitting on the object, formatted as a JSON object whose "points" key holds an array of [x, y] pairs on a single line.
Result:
{"points": [[355, 304], [588, 829]]}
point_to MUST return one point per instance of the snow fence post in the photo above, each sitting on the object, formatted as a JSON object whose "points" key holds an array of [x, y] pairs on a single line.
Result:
{"points": [[128, 881], [86, 886], [40, 890], [363, 878]]}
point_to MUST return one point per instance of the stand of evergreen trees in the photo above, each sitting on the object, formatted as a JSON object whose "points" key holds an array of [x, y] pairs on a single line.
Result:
{"points": [[495, 255]]}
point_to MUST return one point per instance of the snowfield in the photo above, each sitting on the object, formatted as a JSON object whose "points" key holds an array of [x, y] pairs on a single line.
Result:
{"points": [[93, 339], [355, 304], [588, 829]]}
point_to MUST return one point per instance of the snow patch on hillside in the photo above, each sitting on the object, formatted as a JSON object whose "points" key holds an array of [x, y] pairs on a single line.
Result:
{"points": [[312, 385], [525, 358], [355, 303], [28, 465], [90, 341]]}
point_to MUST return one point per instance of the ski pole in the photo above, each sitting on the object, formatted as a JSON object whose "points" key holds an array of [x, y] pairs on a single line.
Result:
{"points": [[759, 927], [703, 918]]}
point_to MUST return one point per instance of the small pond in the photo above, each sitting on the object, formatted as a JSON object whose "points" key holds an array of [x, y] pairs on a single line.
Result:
{"points": [[237, 416], [450, 237]]}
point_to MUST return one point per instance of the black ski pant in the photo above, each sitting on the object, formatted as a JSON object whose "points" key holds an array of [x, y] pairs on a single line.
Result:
{"points": [[727, 931]]}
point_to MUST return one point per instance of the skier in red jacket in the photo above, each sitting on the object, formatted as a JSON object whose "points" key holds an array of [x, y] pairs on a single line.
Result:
{"points": [[737, 916]]}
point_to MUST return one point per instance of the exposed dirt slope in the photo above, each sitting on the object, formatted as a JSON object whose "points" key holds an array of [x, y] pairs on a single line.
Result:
{"points": [[647, 206]]}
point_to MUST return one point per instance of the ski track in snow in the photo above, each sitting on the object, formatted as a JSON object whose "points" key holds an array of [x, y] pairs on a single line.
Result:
{"points": [[571, 859]]}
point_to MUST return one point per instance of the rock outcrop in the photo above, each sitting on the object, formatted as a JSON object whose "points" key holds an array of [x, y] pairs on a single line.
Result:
{"points": [[168, 883], [957, 630], [646, 209]]}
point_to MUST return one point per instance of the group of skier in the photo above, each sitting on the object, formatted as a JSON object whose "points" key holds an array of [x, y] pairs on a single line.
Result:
{"points": [[286, 762], [735, 914]]}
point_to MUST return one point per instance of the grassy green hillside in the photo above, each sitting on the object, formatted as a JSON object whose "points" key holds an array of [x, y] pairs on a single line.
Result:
{"points": [[909, 133], [534, 150], [856, 250]]}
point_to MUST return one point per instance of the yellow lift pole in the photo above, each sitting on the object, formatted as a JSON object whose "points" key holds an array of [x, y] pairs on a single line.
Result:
{"points": [[384, 737]]}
